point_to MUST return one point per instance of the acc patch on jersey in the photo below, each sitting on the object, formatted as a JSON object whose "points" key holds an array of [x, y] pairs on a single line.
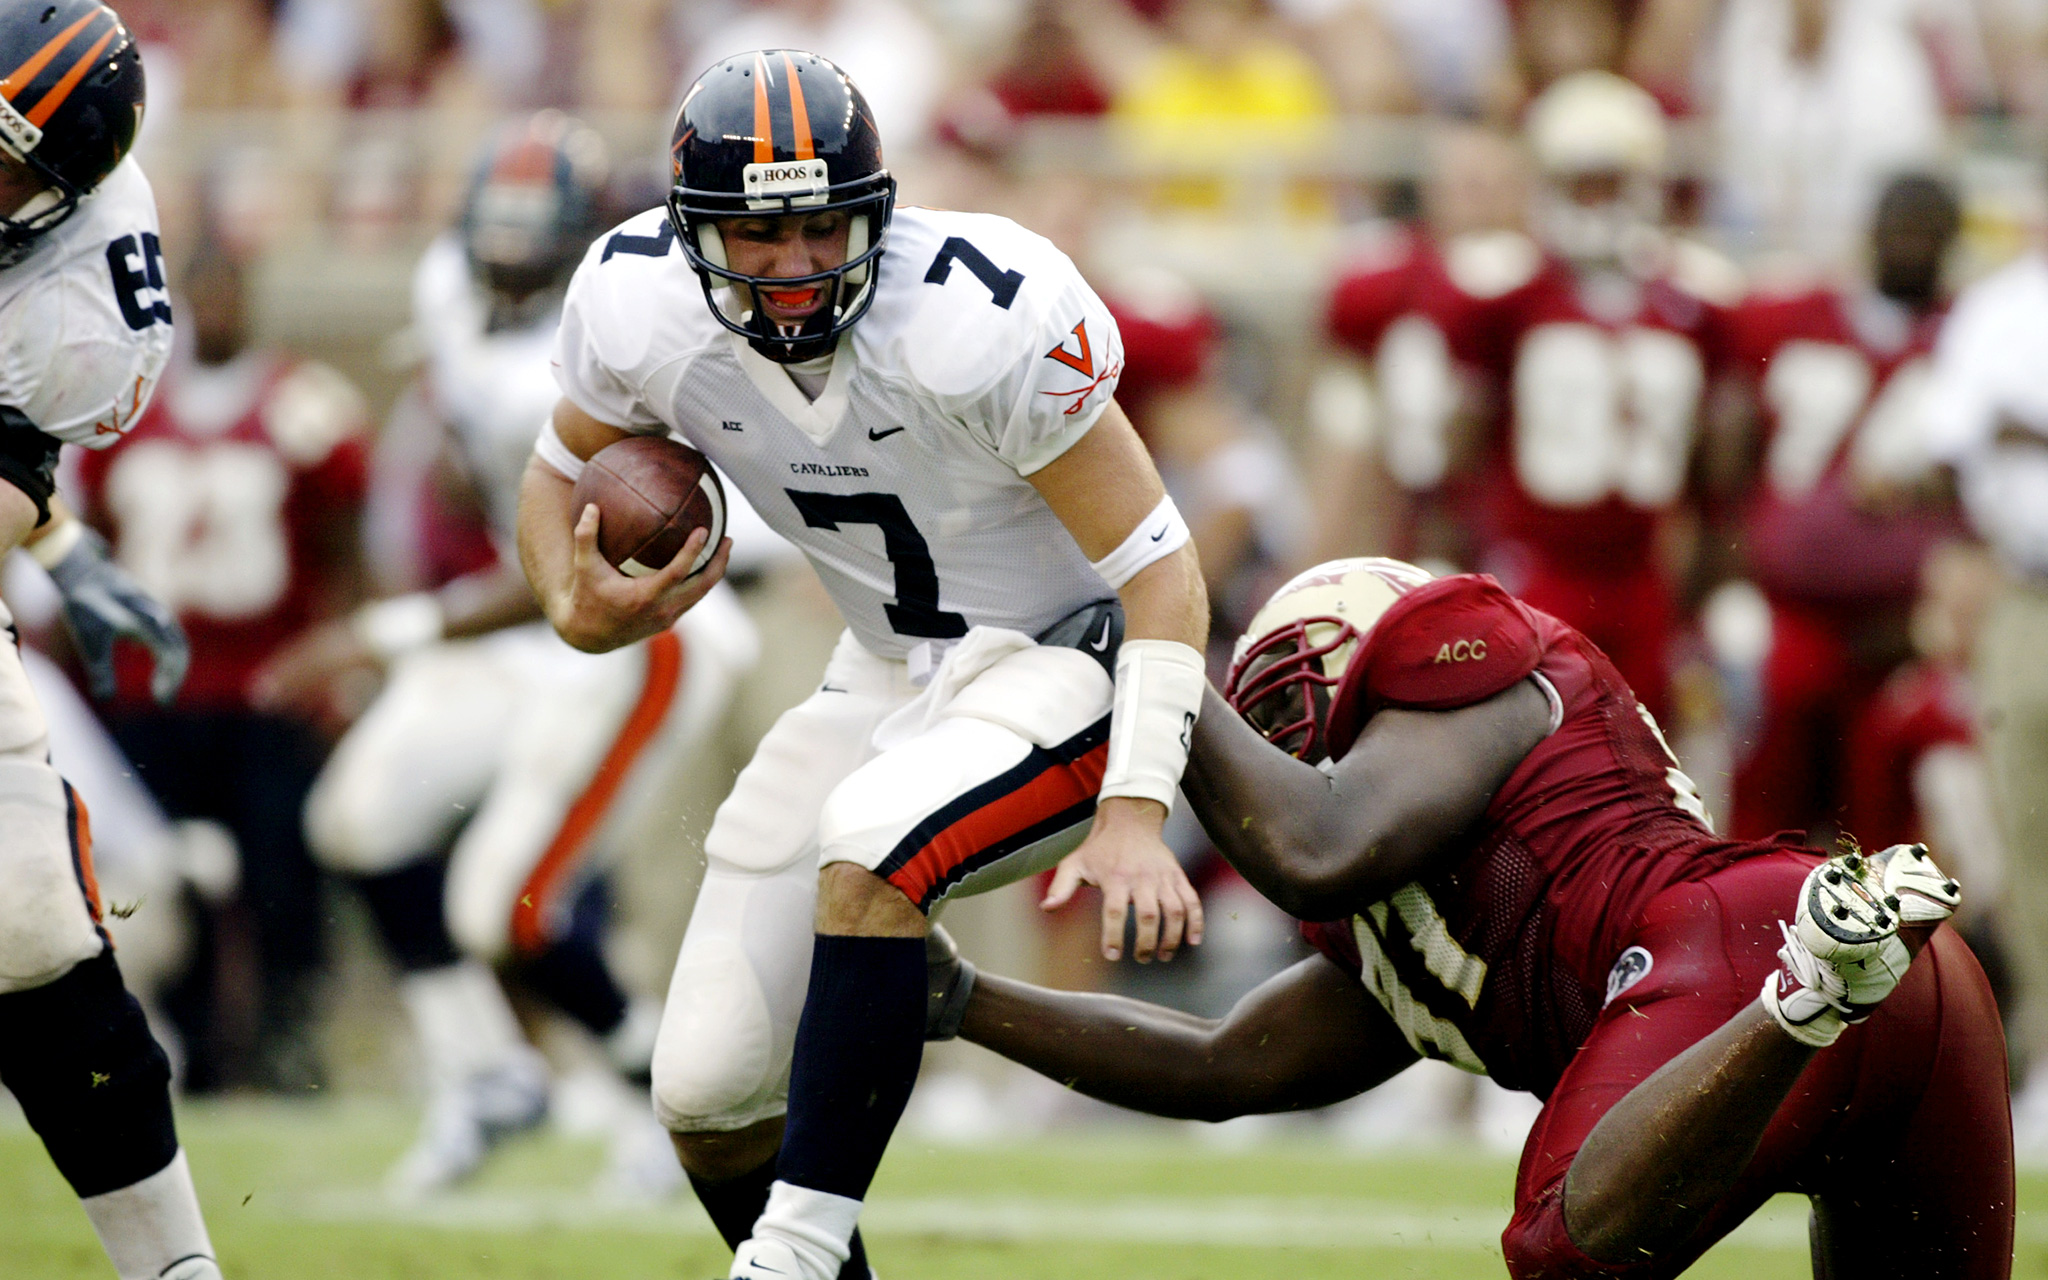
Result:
{"points": [[1449, 643]]}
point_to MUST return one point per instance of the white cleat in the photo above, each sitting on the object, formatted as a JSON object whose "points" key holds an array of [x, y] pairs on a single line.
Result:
{"points": [[465, 1121], [641, 1165], [197, 1268]]}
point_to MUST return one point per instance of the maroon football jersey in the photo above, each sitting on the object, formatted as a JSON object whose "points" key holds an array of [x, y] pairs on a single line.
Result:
{"points": [[1838, 383], [1500, 961], [1924, 706], [218, 502], [1599, 387]]}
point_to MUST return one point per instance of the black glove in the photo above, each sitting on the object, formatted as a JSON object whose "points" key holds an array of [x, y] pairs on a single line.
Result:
{"points": [[949, 984], [101, 603]]}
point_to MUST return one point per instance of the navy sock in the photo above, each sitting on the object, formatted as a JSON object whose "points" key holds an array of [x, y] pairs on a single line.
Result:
{"points": [[857, 1052], [735, 1203], [572, 973], [408, 906]]}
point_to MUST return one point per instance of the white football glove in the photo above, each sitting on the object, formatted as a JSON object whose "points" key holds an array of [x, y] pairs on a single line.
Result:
{"points": [[1842, 953]]}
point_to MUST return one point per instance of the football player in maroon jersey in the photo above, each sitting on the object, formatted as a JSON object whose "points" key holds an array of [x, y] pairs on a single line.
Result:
{"points": [[1522, 881], [1833, 527]]}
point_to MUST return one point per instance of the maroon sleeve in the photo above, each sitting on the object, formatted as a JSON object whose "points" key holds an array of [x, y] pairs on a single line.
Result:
{"points": [[1457, 641], [1337, 943]]}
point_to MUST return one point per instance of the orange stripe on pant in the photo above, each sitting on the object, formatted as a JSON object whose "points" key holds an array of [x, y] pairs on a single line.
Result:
{"points": [[78, 824], [1048, 792], [530, 911]]}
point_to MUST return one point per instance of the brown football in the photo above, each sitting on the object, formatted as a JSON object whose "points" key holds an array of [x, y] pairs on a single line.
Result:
{"points": [[651, 493]]}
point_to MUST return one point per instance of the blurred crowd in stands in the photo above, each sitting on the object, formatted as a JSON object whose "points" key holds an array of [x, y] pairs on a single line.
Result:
{"points": [[1327, 228]]}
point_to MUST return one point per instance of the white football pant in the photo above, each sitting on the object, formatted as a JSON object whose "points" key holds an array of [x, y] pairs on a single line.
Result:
{"points": [[985, 776], [539, 754]]}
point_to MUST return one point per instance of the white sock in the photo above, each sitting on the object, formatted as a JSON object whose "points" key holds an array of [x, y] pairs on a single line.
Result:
{"points": [[816, 1225], [462, 1019], [152, 1229]]}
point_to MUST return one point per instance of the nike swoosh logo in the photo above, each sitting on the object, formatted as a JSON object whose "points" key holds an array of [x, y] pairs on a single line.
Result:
{"points": [[882, 435], [830, 688], [1157, 536], [1101, 643]]}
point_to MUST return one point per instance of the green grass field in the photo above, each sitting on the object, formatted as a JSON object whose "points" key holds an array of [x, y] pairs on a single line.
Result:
{"points": [[292, 1192]]}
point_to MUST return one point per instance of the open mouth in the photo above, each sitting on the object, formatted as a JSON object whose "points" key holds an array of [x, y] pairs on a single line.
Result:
{"points": [[793, 301]]}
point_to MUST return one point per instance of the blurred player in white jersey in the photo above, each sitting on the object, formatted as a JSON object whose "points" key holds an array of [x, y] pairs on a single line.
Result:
{"points": [[933, 427], [84, 332], [487, 716]]}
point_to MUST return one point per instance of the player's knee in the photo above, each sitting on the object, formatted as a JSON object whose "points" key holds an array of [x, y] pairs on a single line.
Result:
{"points": [[46, 925], [92, 1081], [714, 1060], [1536, 1245], [348, 824]]}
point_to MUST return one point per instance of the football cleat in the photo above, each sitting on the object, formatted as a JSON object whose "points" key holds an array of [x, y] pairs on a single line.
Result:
{"points": [[466, 1120], [1919, 891], [949, 984], [766, 1259], [1842, 954]]}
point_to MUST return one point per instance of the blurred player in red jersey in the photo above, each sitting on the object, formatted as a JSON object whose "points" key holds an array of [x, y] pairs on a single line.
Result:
{"points": [[235, 500], [1523, 883], [1599, 364], [1388, 409], [1832, 530]]}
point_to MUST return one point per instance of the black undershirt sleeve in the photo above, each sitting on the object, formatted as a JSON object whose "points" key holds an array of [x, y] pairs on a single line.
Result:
{"points": [[28, 459]]}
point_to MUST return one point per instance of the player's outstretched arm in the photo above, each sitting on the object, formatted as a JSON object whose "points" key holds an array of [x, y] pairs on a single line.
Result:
{"points": [[1307, 1037], [592, 605], [1104, 490], [1321, 845]]}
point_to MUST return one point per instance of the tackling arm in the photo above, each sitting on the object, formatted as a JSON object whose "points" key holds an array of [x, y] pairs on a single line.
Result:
{"points": [[1306, 1037], [1321, 844]]}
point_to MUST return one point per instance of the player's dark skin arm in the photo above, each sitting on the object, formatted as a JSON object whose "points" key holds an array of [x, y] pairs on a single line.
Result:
{"points": [[1323, 845], [1306, 1037]]}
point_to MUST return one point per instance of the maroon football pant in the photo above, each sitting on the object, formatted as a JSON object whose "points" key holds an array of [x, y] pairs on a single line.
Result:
{"points": [[1900, 1132]]}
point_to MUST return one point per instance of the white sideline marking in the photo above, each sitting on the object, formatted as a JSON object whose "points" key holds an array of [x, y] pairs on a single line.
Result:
{"points": [[1236, 1220]]}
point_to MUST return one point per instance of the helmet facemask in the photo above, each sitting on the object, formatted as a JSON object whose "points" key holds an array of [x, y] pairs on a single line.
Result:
{"points": [[849, 287], [40, 214]]}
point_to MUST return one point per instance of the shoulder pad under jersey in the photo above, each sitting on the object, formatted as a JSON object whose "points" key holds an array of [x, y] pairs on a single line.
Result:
{"points": [[1449, 643]]}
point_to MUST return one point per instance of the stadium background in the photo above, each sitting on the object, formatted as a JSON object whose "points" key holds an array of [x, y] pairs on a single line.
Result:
{"points": [[1215, 163]]}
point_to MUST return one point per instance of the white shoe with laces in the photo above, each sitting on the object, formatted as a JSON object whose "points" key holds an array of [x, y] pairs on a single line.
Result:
{"points": [[465, 1121]]}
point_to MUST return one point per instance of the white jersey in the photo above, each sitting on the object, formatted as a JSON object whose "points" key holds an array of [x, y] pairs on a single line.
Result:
{"points": [[493, 388], [984, 357], [85, 320]]}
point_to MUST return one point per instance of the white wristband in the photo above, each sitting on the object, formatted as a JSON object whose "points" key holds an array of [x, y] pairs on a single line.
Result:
{"points": [[395, 627], [1152, 719], [1156, 537], [548, 447], [59, 542]]}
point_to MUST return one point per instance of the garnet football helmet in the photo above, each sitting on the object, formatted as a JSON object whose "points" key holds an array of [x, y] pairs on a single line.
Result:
{"points": [[534, 204], [71, 97], [1290, 661], [773, 133]]}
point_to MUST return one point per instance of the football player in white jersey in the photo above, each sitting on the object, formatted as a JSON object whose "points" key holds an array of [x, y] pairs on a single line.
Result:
{"points": [[922, 404], [490, 732], [85, 327]]}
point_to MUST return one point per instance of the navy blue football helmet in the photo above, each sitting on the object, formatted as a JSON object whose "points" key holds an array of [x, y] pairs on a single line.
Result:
{"points": [[535, 203], [71, 97], [772, 133]]}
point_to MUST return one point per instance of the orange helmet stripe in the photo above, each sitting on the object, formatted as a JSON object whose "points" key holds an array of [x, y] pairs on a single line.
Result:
{"points": [[19, 78], [800, 118], [764, 126], [62, 89]]}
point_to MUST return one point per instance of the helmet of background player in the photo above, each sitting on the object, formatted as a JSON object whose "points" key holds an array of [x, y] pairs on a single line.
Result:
{"points": [[769, 134], [1599, 144], [1292, 658], [534, 204], [71, 96]]}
